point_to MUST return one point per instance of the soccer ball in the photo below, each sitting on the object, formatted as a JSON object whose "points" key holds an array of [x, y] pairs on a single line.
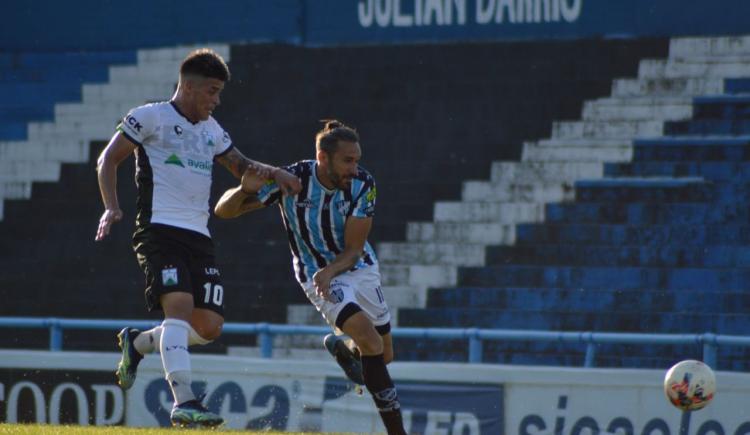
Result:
{"points": [[690, 385]]}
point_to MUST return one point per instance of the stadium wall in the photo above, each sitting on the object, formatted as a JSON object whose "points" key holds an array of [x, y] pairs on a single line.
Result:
{"points": [[47, 25], [293, 395]]}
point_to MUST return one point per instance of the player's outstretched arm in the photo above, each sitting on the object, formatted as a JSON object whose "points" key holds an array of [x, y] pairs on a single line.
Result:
{"points": [[241, 199], [237, 164], [118, 149]]}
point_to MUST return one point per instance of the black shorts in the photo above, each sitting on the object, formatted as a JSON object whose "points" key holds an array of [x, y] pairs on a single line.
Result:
{"points": [[178, 260]]}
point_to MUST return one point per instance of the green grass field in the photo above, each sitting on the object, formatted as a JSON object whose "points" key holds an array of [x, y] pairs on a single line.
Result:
{"points": [[35, 429]]}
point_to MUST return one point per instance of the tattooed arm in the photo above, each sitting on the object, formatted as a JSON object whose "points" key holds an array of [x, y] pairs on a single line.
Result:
{"points": [[237, 164]]}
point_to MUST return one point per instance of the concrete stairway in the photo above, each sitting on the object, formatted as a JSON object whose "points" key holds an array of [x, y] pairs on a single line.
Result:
{"points": [[66, 139], [518, 191]]}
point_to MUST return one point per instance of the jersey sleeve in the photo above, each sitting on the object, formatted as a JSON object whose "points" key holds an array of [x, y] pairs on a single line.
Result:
{"points": [[364, 207], [270, 193], [223, 141], [139, 124]]}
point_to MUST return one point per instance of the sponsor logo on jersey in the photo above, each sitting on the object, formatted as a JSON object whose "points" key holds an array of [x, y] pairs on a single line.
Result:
{"points": [[200, 165], [178, 130], [133, 123], [207, 138], [174, 160], [371, 195], [169, 276], [305, 203]]}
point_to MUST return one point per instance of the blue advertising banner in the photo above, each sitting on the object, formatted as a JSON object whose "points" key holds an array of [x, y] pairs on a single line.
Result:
{"points": [[391, 21], [312, 396], [46, 25], [441, 408], [82, 397]]}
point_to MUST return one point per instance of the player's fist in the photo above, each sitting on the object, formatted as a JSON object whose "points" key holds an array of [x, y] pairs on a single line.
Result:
{"points": [[322, 284], [288, 182], [105, 222], [252, 181]]}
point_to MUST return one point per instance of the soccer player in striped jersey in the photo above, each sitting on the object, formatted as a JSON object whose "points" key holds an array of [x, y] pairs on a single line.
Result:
{"points": [[176, 144], [327, 224]]}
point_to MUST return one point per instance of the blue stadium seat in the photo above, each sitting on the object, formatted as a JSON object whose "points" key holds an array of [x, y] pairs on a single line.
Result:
{"points": [[722, 107], [632, 254], [706, 127], [692, 149], [13, 130], [737, 86], [31, 84], [723, 171]]}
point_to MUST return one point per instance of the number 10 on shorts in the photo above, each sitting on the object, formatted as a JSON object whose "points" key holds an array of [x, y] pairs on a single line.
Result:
{"points": [[214, 294]]}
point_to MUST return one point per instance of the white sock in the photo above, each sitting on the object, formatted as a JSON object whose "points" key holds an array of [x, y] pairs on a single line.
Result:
{"points": [[148, 341], [179, 383], [176, 359]]}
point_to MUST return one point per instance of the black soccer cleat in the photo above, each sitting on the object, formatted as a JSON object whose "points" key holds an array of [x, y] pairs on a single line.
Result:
{"points": [[348, 360]]}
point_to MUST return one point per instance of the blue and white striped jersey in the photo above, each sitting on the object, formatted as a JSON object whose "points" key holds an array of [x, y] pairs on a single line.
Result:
{"points": [[315, 217]]}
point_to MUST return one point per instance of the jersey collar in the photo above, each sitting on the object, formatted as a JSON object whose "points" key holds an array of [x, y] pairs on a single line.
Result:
{"points": [[177, 109], [317, 181]]}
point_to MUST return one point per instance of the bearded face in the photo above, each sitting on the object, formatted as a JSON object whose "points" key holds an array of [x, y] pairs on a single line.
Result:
{"points": [[340, 167]]}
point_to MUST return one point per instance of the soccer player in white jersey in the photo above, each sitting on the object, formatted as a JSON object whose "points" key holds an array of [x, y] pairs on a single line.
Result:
{"points": [[176, 144], [327, 223]]}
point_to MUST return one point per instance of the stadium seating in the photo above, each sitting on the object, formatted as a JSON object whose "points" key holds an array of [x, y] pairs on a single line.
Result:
{"points": [[629, 219], [658, 244], [31, 84], [424, 130]]}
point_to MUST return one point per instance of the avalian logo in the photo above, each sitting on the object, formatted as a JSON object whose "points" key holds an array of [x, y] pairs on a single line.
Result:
{"points": [[174, 160]]}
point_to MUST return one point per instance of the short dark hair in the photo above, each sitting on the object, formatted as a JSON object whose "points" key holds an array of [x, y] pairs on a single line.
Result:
{"points": [[207, 63], [328, 138]]}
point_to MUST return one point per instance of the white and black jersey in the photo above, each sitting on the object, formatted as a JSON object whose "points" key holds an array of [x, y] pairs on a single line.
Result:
{"points": [[174, 161]]}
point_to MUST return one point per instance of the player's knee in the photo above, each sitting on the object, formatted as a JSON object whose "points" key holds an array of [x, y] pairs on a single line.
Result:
{"points": [[387, 354], [204, 332], [212, 333], [202, 338], [207, 325]]}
